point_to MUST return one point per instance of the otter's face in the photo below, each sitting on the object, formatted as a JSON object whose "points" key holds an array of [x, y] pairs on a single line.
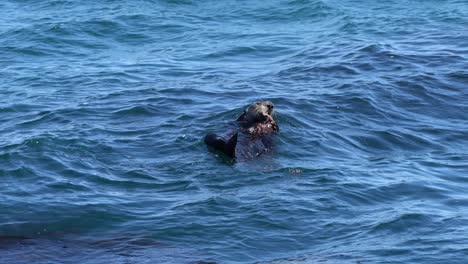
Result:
{"points": [[269, 106], [265, 107], [258, 111]]}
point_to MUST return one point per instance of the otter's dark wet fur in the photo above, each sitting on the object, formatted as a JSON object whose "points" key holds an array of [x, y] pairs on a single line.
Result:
{"points": [[250, 135]]}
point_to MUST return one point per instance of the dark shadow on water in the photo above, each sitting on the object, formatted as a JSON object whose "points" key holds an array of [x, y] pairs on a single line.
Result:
{"points": [[93, 249]]}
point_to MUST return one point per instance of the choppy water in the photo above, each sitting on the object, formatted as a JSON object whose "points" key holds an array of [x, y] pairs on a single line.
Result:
{"points": [[104, 105]]}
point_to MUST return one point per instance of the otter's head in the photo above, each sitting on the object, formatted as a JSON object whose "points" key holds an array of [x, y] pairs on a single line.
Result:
{"points": [[259, 111]]}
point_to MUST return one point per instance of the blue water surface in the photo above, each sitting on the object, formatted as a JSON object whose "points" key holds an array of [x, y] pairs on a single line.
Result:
{"points": [[104, 106]]}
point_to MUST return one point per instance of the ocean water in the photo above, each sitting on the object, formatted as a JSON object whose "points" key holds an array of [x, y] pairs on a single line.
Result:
{"points": [[104, 106]]}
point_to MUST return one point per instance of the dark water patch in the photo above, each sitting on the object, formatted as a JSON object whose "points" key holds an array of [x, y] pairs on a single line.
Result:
{"points": [[17, 173], [459, 76], [44, 118], [310, 9], [29, 52], [19, 108], [242, 52], [133, 248], [102, 27], [68, 186], [404, 222]]}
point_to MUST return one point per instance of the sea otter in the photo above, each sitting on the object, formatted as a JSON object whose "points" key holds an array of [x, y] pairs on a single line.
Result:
{"points": [[250, 135]]}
